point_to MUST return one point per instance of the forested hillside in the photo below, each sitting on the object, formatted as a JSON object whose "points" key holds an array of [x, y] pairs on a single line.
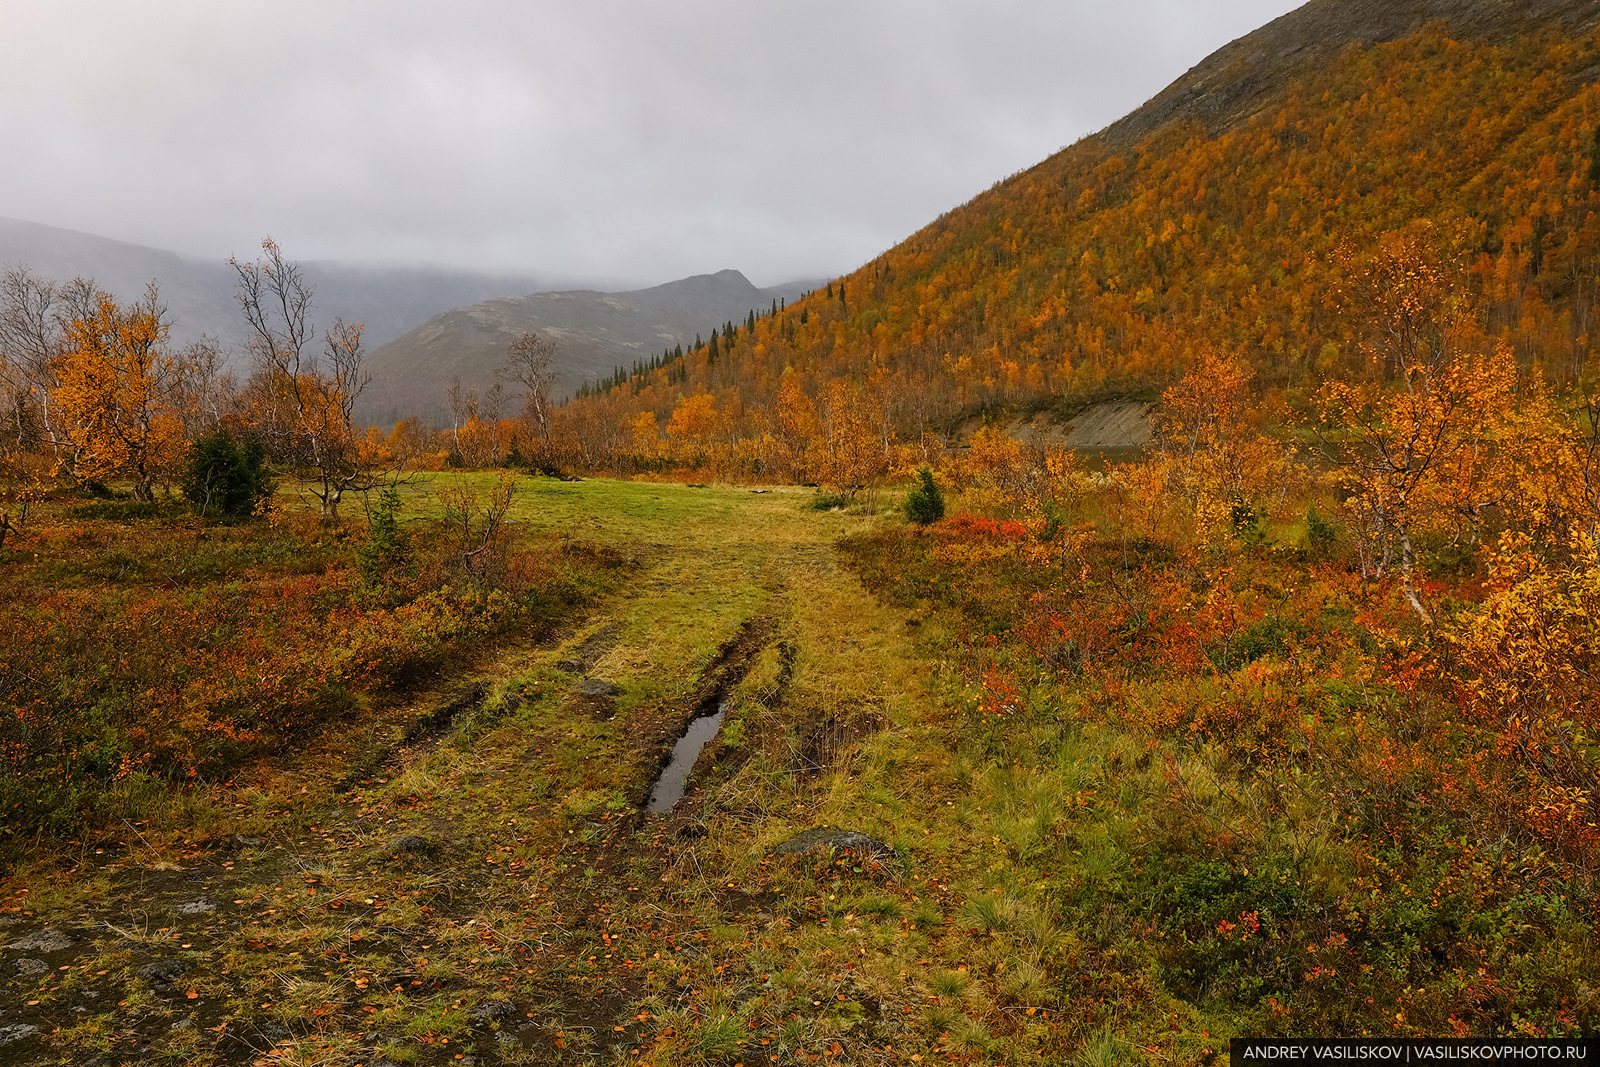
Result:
{"points": [[1101, 270]]}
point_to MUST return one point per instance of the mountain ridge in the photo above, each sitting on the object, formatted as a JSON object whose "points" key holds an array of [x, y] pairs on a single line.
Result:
{"points": [[387, 301], [595, 332], [459, 323]]}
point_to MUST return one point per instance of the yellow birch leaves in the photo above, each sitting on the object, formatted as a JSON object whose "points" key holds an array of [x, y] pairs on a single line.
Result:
{"points": [[120, 394]]}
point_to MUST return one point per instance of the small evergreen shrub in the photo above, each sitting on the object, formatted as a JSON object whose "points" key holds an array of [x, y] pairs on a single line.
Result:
{"points": [[925, 503], [225, 477], [1249, 523], [385, 548]]}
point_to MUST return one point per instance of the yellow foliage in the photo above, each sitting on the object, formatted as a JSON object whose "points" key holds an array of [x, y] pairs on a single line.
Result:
{"points": [[643, 436], [1210, 436], [120, 396], [694, 418]]}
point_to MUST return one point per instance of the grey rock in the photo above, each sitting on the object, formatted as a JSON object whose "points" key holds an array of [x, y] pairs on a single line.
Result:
{"points": [[411, 843], [571, 666], [495, 1011], [597, 687], [197, 907], [273, 1032], [163, 970], [16, 1032], [821, 837], [28, 967], [45, 941]]}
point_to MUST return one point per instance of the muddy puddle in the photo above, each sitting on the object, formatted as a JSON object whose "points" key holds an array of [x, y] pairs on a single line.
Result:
{"points": [[670, 785]]}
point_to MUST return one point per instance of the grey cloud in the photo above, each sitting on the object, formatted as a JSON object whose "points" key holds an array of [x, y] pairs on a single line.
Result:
{"points": [[640, 140]]}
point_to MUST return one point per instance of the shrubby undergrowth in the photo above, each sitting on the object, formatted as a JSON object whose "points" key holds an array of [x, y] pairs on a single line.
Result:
{"points": [[167, 651], [1258, 787]]}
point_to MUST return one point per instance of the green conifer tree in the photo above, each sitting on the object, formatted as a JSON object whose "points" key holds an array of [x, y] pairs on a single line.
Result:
{"points": [[925, 503]]}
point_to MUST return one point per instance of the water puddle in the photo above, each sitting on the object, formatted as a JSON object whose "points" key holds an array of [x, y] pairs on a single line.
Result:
{"points": [[669, 787]]}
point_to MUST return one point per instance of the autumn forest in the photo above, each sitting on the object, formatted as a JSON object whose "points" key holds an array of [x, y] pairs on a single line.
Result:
{"points": [[1284, 722]]}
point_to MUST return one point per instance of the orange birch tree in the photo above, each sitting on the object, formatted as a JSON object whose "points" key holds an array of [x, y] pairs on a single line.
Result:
{"points": [[120, 395], [1400, 434]]}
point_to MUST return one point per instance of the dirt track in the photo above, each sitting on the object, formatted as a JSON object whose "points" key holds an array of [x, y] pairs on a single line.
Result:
{"points": [[487, 888]]}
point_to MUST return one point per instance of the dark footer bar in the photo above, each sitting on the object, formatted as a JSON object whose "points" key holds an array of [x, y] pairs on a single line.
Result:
{"points": [[1257, 1052]]}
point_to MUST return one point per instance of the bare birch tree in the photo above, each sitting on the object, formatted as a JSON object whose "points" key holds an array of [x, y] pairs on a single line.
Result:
{"points": [[304, 398], [532, 366]]}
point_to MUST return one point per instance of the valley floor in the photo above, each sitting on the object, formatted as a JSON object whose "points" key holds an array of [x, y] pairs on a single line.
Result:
{"points": [[1084, 833]]}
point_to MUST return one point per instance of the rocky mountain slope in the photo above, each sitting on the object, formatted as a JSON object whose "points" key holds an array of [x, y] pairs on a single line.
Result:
{"points": [[594, 332]]}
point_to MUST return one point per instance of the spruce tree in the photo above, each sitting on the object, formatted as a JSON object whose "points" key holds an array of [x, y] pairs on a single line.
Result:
{"points": [[925, 503], [224, 477], [385, 548]]}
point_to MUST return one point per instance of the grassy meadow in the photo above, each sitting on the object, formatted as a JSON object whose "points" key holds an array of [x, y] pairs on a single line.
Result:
{"points": [[294, 795]]}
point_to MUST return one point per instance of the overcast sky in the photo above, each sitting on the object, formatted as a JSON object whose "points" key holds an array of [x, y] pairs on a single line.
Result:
{"points": [[636, 141]]}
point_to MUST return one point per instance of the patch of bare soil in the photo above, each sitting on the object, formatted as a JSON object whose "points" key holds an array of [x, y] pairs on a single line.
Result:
{"points": [[1113, 424]]}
